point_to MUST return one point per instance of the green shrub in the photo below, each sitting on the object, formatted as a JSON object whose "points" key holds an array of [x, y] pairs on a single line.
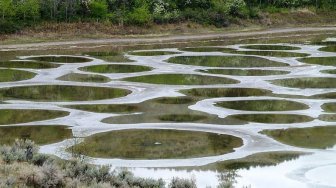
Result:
{"points": [[98, 9], [140, 16], [7, 26]]}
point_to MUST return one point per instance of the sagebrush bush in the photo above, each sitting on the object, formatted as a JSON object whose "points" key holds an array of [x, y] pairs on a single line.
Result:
{"points": [[52, 176], [45, 171], [182, 183], [21, 150]]}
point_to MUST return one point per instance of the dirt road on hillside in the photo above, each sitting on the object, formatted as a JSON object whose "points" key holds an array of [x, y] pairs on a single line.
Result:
{"points": [[166, 38]]}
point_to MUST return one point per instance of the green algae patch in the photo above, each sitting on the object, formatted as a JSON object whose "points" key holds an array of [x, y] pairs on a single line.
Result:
{"points": [[10, 75], [273, 53], [263, 105], [110, 56], [309, 82], [332, 71], [61, 93], [244, 72], [273, 118], [326, 61], [328, 49], [40, 134], [331, 95], [226, 92], [270, 47], [153, 53], [181, 117], [208, 49], [75, 77], [156, 144], [181, 79], [225, 61], [327, 117], [60, 59], [15, 116], [175, 100], [28, 65], [329, 107], [312, 137], [116, 68], [105, 108]]}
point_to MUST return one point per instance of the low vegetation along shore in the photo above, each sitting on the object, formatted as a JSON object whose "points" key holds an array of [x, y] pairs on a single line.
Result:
{"points": [[22, 166], [38, 21]]}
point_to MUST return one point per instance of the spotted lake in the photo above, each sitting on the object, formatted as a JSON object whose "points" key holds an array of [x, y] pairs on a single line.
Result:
{"points": [[252, 112]]}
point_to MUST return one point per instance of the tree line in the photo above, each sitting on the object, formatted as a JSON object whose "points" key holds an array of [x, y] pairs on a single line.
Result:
{"points": [[141, 12]]}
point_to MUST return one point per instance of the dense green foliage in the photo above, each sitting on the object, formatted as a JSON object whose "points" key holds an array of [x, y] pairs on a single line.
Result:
{"points": [[15, 14]]}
